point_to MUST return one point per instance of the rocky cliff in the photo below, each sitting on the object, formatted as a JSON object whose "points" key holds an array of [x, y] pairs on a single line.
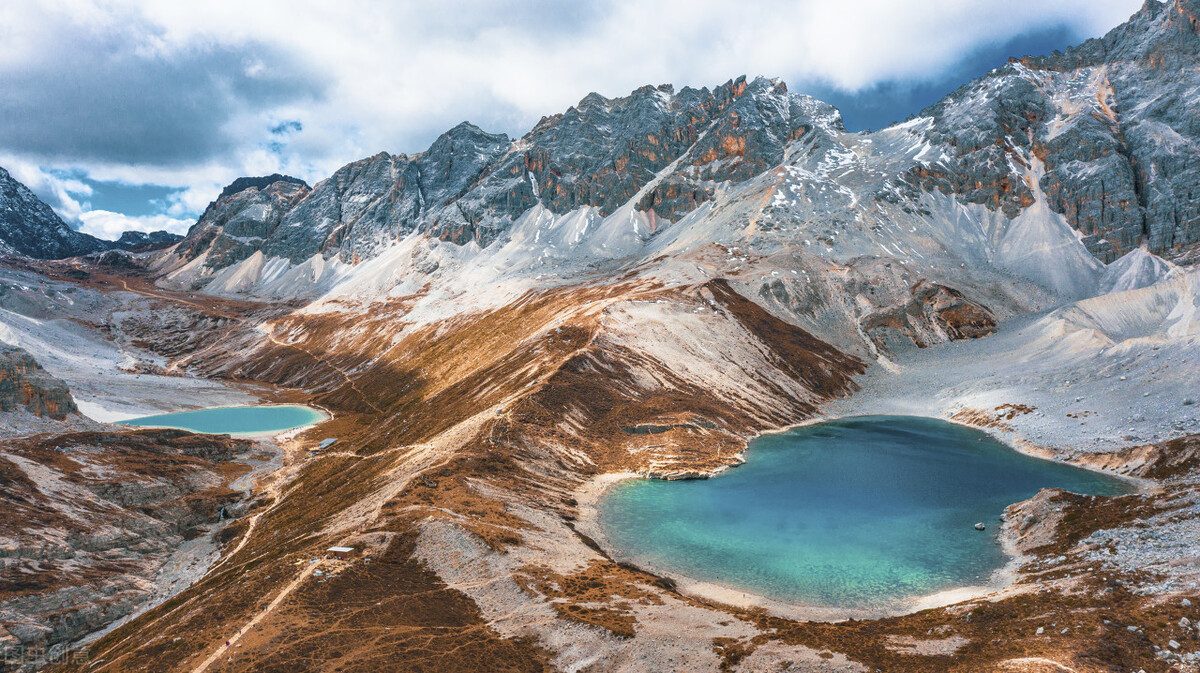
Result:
{"points": [[24, 385], [238, 223], [96, 523], [1112, 119], [664, 152]]}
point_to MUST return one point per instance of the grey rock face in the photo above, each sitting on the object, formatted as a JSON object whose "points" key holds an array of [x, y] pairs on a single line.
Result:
{"points": [[1113, 122], [604, 152], [30, 227], [371, 202], [76, 558], [236, 225], [749, 136], [350, 209], [1105, 134], [362, 206], [471, 185]]}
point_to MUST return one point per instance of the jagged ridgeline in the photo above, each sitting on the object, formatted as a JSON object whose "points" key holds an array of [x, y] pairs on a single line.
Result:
{"points": [[25, 386], [1106, 131], [31, 228], [471, 185]]}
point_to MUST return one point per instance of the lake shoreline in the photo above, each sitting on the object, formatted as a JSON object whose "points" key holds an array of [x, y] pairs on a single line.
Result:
{"points": [[1002, 579], [322, 415]]}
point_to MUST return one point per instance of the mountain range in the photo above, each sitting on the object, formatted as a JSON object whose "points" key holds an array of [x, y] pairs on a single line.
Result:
{"points": [[499, 329], [1104, 135]]}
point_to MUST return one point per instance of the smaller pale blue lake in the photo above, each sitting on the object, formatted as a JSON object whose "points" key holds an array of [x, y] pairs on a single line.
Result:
{"points": [[256, 420], [860, 513]]}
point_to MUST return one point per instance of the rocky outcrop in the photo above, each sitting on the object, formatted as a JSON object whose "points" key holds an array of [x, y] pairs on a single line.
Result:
{"points": [[361, 207], [24, 385], [471, 185], [260, 182], [1112, 121], [90, 519], [933, 314], [603, 152], [237, 224], [30, 227]]}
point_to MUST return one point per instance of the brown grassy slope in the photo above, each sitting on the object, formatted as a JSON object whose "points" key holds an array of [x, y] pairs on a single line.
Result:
{"points": [[466, 419], [392, 467]]}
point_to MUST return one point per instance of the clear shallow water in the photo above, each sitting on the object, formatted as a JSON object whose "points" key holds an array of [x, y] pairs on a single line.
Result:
{"points": [[856, 513], [234, 420]]}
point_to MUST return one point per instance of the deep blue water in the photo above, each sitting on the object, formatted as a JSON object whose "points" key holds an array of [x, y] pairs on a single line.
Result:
{"points": [[234, 420], [857, 513]]}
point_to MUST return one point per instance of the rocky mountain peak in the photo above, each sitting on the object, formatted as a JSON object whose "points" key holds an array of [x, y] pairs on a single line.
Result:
{"points": [[734, 88], [237, 223], [28, 226], [1161, 34], [245, 188], [1110, 122], [464, 141], [262, 182], [455, 160], [466, 131], [472, 185], [141, 241]]}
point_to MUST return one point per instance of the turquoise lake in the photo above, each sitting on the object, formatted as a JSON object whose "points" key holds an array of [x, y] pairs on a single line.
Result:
{"points": [[856, 513], [234, 420]]}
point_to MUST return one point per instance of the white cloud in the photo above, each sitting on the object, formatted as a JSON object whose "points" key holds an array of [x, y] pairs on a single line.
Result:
{"points": [[61, 194], [395, 65], [395, 74], [109, 225]]}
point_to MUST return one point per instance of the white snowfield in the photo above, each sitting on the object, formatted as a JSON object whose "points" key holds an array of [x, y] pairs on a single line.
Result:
{"points": [[1124, 365]]}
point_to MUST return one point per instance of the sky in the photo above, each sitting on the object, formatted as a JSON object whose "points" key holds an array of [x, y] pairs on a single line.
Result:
{"points": [[133, 114]]}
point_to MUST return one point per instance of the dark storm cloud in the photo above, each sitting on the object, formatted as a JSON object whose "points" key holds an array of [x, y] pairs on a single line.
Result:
{"points": [[108, 97]]}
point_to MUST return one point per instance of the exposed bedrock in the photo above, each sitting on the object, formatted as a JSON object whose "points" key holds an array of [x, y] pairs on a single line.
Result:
{"points": [[471, 185], [1112, 122], [30, 227], [90, 519], [24, 385], [934, 314]]}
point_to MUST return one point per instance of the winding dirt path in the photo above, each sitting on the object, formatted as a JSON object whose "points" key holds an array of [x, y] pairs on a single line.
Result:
{"points": [[279, 598]]}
